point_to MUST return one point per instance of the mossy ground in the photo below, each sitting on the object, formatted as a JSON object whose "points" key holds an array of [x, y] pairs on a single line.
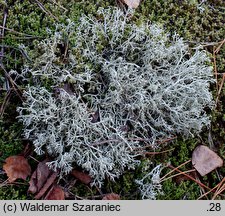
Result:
{"points": [[197, 25]]}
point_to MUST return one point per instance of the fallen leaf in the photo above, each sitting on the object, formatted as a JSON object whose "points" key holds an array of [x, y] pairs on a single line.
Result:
{"points": [[83, 177], [46, 186], [16, 167], [39, 177], [205, 160], [111, 196], [55, 193], [132, 3]]}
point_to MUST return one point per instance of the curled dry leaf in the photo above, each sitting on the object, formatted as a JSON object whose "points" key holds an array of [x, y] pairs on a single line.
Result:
{"points": [[83, 177], [39, 177], [205, 160], [17, 167], [55, 193], [111, 196], [46, 186], [132, 3]]}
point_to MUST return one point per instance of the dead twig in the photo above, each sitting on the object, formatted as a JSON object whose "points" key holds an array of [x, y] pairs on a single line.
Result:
{"points": [[186, 162], [133, 139], [178, 174], [220, 188], [220, 88], [219, 47], [217, 186], [14, 85], [42, 7], [159, 142], [190, 177], [5, 102], [2, 48], [22, 51], [203, 44], [3, 31], [16, 32], [54, 2], [154, 153], [215, 68]]}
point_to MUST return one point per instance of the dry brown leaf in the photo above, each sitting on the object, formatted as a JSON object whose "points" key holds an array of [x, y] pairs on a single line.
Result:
{"points": [[205, 160], [111, 196], [39, 177], [46, 186], [83, 177], [16, 167], [55, 193], [132, 3]]}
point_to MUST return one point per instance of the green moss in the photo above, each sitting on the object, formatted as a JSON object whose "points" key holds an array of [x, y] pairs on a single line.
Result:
{"points": [[186, 19], [84, 191], [186, 190], [10, 142], [182, 151], [13, 192]]}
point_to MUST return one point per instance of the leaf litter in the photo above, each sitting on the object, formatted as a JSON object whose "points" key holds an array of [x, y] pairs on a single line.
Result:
{"points": [[81, 176], [55, 193], [132, 3], [41, 180], [16, 167], [205, 160]]}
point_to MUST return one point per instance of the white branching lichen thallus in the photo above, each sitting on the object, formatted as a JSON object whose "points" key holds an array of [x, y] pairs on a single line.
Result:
{"points": [[140, 82]]}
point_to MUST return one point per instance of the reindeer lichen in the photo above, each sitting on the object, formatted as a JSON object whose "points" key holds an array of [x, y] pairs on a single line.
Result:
{"points": [[130, 85]]}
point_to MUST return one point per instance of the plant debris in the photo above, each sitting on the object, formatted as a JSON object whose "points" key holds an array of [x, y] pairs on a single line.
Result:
{"points": [[55, 193], [17, 167], [39, 177], [205, 160], [81, 176], [132, 3], [111, 196]]}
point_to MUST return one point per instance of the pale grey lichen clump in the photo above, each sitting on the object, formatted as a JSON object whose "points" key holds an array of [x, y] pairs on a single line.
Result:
{"points": [[142, 84], [150, 185]]}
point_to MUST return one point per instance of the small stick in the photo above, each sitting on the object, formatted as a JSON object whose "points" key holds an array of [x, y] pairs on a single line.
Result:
{"points": [[3, 32], [198, 182], [220, 88], [4, 104], [221, 44], [175, 169], [220, 188], [20, 33], [2, 48], [188, 171], [154, 153], [219, 192], [59, 5], [215, 68], [158, 142], [34, 159], [218, 185], [45, 10], [131, 139], [15, 87]]}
